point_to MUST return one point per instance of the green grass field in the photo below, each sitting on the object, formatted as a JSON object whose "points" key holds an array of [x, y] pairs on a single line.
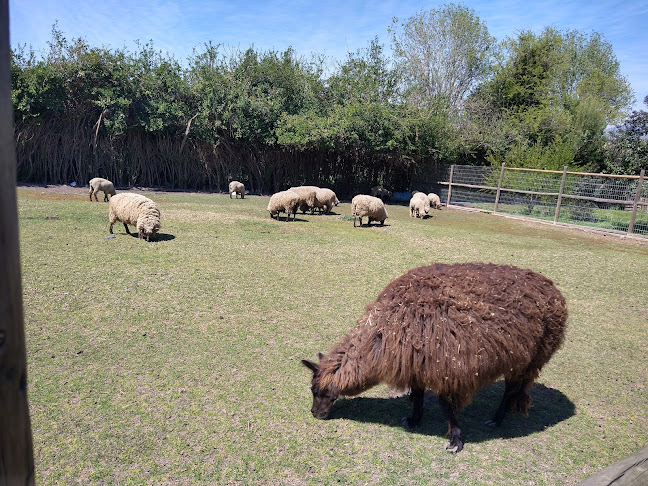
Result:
{"points": [[178, 361]]}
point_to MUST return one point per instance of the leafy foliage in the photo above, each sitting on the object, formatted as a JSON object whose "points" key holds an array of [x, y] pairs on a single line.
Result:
{"points": [[556, 92], [272, 119], [628, 145], [444, 53]]}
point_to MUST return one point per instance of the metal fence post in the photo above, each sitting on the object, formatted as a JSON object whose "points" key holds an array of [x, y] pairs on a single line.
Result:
{"points": [[636, 201], [450, 185], [560, 194], [499, 187]]}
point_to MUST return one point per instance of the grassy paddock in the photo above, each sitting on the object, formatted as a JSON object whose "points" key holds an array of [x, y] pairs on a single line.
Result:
{"points": [[177, 361]]}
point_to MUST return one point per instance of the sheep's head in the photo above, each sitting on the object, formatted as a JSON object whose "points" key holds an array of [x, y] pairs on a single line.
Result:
{"points": [[323, 397], [148, 229]]}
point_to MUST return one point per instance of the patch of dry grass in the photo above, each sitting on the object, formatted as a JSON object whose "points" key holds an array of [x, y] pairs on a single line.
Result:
{"points": [[177, 361]]}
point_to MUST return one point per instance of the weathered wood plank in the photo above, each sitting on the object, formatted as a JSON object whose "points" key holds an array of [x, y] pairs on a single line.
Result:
{"points": [[631, 471], [16, 449]]}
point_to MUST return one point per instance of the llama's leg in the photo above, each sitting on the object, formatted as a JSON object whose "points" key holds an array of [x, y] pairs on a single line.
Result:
{"points": [[416, 398], [515, 398], [455, 444]]}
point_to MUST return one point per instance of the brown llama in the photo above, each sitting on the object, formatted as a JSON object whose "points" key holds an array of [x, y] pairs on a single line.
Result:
{"points": [[451, 330]]}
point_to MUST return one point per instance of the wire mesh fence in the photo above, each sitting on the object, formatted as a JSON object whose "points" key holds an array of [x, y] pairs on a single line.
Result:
{"points": [[603, 201]]}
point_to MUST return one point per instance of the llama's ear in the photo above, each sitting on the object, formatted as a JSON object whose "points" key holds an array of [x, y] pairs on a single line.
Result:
{"points": [[320, 356], [310, 365]]}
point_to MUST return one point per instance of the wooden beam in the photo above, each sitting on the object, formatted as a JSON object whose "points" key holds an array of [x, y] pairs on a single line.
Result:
{"points": [[630, 471], [16, 449]]}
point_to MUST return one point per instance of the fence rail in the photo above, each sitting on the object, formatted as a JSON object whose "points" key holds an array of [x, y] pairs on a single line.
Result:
{"points": [[615, 203]]}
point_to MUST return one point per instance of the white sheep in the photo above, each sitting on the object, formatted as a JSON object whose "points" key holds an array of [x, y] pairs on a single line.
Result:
{"points": [[284, 202], [370, 206], [419, 205], [136, 210], [435, 201], [99, 184], [237, 188], [325, 199], [307, 196], [381, 192]]}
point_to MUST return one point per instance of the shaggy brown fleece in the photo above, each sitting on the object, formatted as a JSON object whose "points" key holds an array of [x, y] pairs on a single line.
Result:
{"points": [[451, 330]]}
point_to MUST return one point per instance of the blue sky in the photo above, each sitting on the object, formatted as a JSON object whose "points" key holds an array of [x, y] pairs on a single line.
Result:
{"points": [[330, 27]]}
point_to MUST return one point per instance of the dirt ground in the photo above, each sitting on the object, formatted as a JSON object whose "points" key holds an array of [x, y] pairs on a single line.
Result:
{"points": [[66, 189]]}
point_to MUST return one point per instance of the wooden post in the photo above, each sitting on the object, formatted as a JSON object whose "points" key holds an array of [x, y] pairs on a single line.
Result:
{"points": [[636, 202], [16, 450], [450, 185], [560, 194], [499, 187]]}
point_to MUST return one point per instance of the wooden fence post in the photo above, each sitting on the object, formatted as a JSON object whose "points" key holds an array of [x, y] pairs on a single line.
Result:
{"points": [[560, 194], [16, 449], [636, 202], [499, 187], [450, 185]]}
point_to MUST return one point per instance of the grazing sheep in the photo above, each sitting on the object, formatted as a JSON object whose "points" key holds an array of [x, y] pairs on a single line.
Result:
{"points": [[307, 197], [435, 201], [370, 206], [284, 201], [451, 330], [419, 205], [237, 188], [381, 192], [136, 210], [99, 184], [325, 199]]}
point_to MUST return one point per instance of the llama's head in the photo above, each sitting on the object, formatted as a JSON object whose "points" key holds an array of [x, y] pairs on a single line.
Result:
{"points": [[323, 397]]}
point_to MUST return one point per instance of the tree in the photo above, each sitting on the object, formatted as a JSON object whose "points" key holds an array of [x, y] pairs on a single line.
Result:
{"points": [[366, 77], [627, 148], [555, 93], [444, 53]]}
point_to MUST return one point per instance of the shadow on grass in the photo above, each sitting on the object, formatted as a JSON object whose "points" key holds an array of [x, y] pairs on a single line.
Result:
{"points": [[155, 238], [549, 408], [296, 220], [373, 225]]}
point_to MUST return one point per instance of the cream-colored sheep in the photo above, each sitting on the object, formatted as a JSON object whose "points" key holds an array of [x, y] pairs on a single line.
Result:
{"points": [[136, 210], [325, 199], [284, 202], [381, 192], [237, 188], [99, 184], [419, 205], [370, 206], [435, 201], [307, 196]]}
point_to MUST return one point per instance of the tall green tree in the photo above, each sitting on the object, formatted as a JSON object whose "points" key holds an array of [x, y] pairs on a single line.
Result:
{"points": [[444, 54], [627, 148], [554, 94]]}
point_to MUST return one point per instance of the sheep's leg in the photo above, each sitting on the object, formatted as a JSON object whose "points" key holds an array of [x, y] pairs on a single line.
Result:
{"points": [[451, 412], [416, 399], [515, 398], [111, 226], [126, 227]]}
